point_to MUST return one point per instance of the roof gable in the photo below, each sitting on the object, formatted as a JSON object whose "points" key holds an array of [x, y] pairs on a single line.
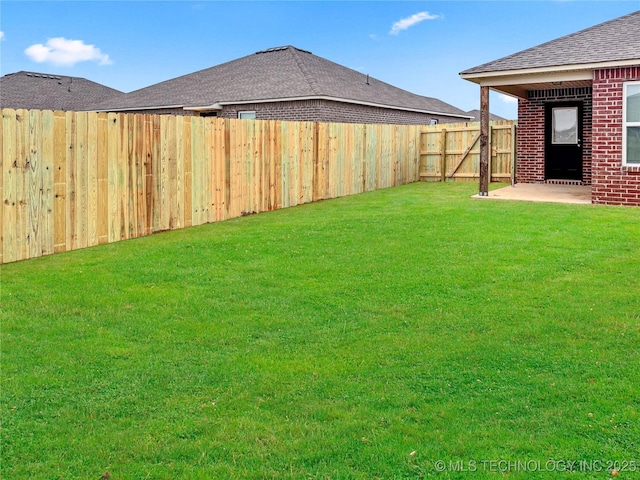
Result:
{"points": [[43, 91], [275, 74], [617, 40]]}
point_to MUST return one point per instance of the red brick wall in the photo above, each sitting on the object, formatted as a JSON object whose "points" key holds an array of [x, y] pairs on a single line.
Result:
{"points": [[319, 111], [613, 183], [328, 111], [531, 145]]}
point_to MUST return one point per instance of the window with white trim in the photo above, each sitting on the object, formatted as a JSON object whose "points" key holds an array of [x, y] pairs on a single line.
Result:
{"points": [[631, 123], [247, 114]]}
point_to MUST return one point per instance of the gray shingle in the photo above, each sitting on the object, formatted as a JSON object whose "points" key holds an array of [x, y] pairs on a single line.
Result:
{"points": [[276, 73], [44, 91], [615, 40]]}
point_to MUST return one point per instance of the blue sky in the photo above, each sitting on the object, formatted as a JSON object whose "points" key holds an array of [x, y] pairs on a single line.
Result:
{"points": [[420, 46]]}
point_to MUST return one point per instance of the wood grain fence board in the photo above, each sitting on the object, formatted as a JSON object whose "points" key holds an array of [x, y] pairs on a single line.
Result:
{"points": [[163, 176], [124, 192], [326, 144], [340, 161], [307, 139], [333, 160], [284, 164], [140, 193], [80, 179], [2, 198], [321, 156], [147, 153], [346, 179], [295, 165], [59, 182], [274, 129], [215, 182], [388, 158], [371, 156], [187, 172], [231, 168], [246, 177], [9, 179], [112, 178], [156, 172], [456, 144], [210, 157], [130, 200], [34, 193], [46, 159], [329, 161], [227, 168], [303, 164], [253, 167], [305, 183], [72, 205], [180, 180], [22, 190], [92, 179], [103, 177], [261, 153], [197, 158], [265, 159]]}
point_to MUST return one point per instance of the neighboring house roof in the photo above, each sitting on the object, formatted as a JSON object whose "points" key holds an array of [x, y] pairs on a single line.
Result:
{"points": [[42, 91], [616, 41], [277, 74], [476, 116]]}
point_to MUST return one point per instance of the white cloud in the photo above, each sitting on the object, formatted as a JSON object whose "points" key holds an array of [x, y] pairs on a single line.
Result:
{"points": [[414, 19], [61, 51], [1, 35]]}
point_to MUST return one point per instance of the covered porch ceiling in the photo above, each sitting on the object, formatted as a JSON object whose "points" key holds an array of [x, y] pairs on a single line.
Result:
{"points": [[517, 83]]}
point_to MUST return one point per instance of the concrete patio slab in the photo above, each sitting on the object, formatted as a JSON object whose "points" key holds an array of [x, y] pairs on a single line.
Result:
{"points": [[541, 192]]}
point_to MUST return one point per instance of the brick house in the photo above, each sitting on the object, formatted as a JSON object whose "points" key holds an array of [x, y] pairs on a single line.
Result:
{"points": [[286, 83], [578, 109], [43, 91]]}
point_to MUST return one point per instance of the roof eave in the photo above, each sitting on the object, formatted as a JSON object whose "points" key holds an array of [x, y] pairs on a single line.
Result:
{"points": [[479, 76], [128, 109], [219, 105], [517, 82]]}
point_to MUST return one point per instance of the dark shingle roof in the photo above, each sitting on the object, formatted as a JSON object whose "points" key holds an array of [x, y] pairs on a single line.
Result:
{"points": [[275, 74], [615, 40], [43, 91]]}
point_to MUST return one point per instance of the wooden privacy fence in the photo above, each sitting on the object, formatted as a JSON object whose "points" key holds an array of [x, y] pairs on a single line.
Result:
{"points": [[451, 151], [70, 180]]}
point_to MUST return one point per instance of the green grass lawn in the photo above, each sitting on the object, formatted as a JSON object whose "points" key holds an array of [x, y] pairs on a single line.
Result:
{"points": [[359, 338]]}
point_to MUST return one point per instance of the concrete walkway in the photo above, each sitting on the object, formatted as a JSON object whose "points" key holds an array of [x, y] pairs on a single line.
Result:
{"points": [[540, 192]]}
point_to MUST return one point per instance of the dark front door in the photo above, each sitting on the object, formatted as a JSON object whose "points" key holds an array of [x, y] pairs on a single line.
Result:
{"points": [[563, 141]]}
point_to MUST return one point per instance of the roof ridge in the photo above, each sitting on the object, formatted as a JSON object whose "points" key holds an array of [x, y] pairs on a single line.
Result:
{"points": [[311, 80]]}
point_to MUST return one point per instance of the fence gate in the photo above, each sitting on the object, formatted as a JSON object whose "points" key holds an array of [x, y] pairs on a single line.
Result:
{"points": [[451, 152]]}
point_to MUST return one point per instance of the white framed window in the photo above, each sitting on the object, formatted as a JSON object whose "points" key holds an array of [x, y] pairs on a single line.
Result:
{"points": [[247, 114], [433, 121], [631, 123]]}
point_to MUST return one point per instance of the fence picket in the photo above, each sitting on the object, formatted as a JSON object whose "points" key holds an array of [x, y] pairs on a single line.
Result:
{"points": [[75, 179]]}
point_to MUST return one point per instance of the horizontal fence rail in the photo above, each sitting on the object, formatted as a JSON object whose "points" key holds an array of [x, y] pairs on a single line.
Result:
{"points": [[71, 180], [451, 152]]}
